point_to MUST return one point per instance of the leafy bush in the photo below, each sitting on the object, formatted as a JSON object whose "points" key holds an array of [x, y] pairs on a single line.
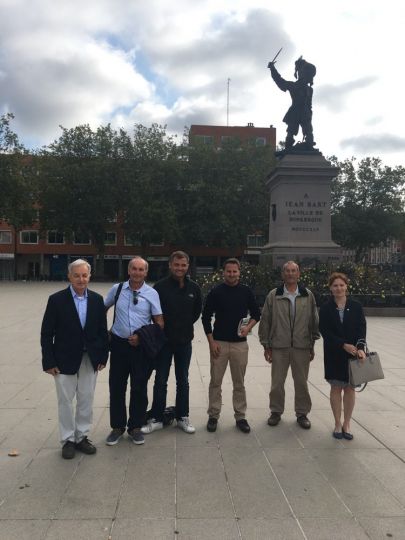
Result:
{"points": [[370, 284]]}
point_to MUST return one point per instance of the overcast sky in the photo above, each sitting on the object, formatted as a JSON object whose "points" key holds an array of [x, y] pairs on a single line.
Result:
{"points": [[135, 61]]}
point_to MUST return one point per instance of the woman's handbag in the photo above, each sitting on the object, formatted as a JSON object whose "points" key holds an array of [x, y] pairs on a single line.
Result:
{"points": [[367, 371]]}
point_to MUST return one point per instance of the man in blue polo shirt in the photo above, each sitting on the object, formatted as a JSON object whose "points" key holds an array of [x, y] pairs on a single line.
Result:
{"points": [[137, 305]]}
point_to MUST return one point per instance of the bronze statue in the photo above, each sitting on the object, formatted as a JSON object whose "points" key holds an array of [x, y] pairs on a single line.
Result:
{"points": [[300, 112]]}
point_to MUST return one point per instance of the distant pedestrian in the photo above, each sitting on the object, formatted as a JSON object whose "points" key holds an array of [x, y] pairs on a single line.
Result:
{"points": [[74, 343], [230, 302], [288, 330], [343, 328]]}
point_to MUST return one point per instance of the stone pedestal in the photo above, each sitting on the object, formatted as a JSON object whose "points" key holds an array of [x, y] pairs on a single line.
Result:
{"points": [[300, 223]]}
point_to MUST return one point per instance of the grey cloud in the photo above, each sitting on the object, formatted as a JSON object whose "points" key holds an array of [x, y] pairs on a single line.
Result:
{"points": [[200, 116], [333, 96], [84, 85], [238, 50], [369, 144]]}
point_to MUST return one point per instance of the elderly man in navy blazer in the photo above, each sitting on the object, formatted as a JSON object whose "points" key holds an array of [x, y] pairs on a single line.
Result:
{"points": [[74, 343]]}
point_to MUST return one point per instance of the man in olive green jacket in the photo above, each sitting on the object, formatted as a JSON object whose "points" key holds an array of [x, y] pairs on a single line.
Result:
{"points": [[288, 330]]}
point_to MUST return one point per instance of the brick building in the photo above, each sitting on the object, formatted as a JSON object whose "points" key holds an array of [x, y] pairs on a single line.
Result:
{"points": [[47, 256], [218, 135]]}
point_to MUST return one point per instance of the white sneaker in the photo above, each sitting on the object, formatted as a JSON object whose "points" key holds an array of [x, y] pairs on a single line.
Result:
{"points": [[185, 424], [152, 425]]}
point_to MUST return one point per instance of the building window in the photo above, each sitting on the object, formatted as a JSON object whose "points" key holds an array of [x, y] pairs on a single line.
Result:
{"points": [[112, 219], [230, 139], [255, 240], [81, 238], [204, 139], [56, 237], [132, 240], [110, 238], [29, 237], [260, 141], [157, 243], [5, 237]]}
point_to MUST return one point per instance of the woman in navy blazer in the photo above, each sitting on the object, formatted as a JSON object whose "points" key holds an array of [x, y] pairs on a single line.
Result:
{"points": [[343, 328]]}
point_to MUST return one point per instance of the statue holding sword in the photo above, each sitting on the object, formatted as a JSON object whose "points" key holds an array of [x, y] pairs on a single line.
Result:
{"points": [[300, 112]]}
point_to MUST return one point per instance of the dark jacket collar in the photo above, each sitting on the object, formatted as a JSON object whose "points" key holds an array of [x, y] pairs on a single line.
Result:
{"points": [[334, 305], [176, 282]]}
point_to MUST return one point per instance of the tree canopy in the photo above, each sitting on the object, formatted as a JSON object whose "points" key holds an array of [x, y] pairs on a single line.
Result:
{"points": [[367, 204], [17, 178], [162, 190], [180, 193]]}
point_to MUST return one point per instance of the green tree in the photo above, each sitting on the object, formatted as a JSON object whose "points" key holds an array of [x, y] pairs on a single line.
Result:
{"points": [[224, 197], [148, 186], [18, 182], [78, 184], [367, 204]]}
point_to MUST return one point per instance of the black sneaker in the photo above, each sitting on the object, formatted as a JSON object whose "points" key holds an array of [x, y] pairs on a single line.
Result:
{"points": [[243, 425], [304, 422], [274, 419], [136, 436], [114, 436], [212, 424], [86, 446], [68, 450]]}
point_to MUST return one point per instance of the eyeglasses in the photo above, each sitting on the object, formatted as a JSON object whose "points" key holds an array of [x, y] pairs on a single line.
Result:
{"points": [[135, 295]]}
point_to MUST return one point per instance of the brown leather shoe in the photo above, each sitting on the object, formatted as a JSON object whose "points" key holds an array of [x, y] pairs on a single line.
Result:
{"points": [[68, 450], [274, 419], [304, 422], [86, 446]]}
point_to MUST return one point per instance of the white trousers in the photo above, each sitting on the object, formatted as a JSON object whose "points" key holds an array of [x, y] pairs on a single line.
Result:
{"points": [[74, 427]]}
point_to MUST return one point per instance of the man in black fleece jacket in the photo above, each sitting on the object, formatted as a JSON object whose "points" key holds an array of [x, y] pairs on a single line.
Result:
{"points": [[230, 302], [181, 303]]}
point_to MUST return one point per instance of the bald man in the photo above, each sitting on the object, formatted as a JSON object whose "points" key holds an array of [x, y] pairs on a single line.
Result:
{"points": [[136, 305]]}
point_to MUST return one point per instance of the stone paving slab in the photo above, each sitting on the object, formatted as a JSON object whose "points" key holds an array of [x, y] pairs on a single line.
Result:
{"points": [[280, 483]]}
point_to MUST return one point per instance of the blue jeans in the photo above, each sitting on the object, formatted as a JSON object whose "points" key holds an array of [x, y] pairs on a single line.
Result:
{"points": [[182, 357]]}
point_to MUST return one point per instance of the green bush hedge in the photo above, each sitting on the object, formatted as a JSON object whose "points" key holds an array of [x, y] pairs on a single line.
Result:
{"points": [[370, 284]]}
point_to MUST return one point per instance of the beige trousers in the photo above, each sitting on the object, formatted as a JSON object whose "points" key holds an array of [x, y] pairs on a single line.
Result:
{"points": [[299, 360], [75, 425], [236, 353]]}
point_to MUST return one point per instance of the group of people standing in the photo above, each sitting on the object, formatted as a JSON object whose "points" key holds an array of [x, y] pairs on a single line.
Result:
{"points": [[153, 327]]}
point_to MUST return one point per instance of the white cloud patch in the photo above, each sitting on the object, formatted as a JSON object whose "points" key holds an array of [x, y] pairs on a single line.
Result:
{"points": [[56, 73], [374, 121], [238, 49], [126, 62], [375, 144], [334, 96]]}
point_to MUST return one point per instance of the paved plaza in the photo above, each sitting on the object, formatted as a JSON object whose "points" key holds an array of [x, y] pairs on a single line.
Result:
{"points": [[281, 483]]}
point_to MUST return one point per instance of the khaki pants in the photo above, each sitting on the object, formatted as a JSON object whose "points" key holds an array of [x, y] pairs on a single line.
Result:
{"points": [[299, 360], [236, 353]]}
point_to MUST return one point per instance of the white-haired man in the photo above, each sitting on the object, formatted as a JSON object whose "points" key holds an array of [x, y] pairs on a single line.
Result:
{"points": [[74, 343]]}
